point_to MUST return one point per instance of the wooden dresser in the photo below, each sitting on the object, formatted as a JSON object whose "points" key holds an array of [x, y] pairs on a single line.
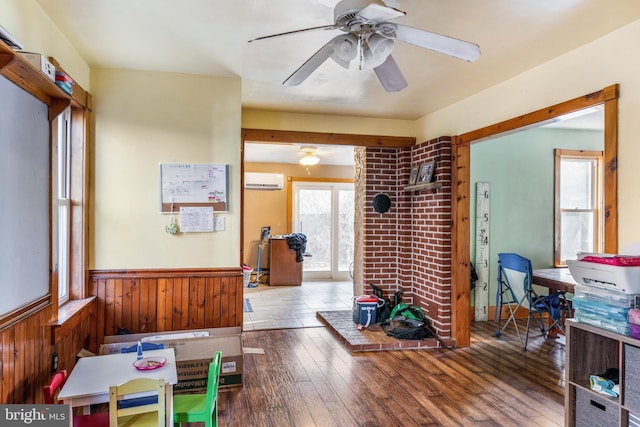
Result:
{"points": [[283, 268]]}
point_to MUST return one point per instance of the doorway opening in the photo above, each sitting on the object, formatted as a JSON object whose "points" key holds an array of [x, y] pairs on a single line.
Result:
{"points": [[315, 200], [608, 98]]}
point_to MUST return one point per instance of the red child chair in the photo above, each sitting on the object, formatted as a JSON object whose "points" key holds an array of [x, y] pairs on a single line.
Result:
{"points": [[51, 398]]}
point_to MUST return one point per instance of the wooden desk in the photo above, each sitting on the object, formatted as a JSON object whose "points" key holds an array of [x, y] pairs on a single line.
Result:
{"points": [[556, 279], [284, 270], [90, 379]]}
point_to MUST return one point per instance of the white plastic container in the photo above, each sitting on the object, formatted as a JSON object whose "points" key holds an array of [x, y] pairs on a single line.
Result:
{"points": [[607, 296], [41, 63]]}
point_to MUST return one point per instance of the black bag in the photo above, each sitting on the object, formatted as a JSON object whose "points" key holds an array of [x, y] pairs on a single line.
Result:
{"points": [[474, 277], [406, 329], [384, 312]]}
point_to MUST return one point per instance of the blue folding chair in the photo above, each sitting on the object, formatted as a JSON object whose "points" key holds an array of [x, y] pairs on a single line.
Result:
{"points": [[515, 290]]}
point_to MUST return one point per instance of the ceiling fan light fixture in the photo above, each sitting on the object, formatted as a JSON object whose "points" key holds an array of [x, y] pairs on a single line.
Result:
{"points": [[309, 158], [377, 50], [345, 49]]}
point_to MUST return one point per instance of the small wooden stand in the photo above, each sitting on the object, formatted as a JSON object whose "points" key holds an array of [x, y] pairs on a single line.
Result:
{"points": [[283, 268]]}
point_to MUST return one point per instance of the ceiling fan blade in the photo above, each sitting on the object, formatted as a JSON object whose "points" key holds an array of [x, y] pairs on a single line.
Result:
{"points": [[378, 13], [390, 75], [322, 27], [449, 46], [310, 65]]}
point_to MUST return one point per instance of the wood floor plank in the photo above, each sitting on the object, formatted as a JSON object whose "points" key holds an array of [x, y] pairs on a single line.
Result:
{"points": [[280, 417], [325, 390], [308, 378], [315, 404]]}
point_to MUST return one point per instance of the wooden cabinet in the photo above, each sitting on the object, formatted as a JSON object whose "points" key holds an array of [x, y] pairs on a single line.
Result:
{"points": [[283, 268], [591, 351]]}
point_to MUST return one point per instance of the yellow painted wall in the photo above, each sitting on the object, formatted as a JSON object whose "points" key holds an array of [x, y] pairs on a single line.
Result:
{"points": [[144, 119], [128, 230], [269, 207], [259, 119], [27, 23], [612, 59]]}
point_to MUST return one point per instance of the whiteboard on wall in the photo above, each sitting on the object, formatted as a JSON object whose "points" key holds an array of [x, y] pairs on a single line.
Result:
{"points": [[24, 197], [193, 185]]}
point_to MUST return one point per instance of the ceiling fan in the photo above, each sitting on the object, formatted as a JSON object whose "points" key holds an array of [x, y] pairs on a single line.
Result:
{"points": [[370, 37]]}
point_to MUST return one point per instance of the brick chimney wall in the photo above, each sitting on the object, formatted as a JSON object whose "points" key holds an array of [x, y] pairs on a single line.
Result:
{"points": [[408, 248]]}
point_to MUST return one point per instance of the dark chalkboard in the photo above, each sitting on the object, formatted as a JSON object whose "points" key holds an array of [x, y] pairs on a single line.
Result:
{"points": [[24, 198]]}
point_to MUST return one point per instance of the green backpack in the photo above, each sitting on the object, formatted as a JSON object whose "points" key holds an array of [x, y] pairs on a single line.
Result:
{"points": [[409, 311]]}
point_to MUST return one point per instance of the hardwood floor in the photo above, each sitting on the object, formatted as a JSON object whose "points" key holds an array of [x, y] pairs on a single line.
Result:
{"points": [[307, 378]]}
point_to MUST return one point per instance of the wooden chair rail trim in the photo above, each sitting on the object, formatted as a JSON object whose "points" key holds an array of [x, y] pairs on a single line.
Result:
{"points": [[164, 273], [24, 311]]}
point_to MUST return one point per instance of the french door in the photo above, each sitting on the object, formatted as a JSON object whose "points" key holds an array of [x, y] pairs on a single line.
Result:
{"points": [[324, 212]]}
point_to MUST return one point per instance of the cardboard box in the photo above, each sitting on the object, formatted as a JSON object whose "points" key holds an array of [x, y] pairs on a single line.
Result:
{"points": [[41, 63], [193, 352]]}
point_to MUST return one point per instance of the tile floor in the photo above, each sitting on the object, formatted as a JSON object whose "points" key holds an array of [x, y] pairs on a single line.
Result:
{"points": [[284, 307], [318, 304]]}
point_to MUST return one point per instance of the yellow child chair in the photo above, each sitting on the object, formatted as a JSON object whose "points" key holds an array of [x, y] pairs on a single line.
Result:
{"points": [[151, 414], [203, 407]]}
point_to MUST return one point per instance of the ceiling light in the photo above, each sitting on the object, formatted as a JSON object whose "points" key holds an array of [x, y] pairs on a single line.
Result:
{"points": [[345, 49], [377, 50], [309, 158]]}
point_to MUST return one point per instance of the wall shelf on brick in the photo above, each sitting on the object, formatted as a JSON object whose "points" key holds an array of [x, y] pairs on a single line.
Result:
{"points": [[424, 186]]}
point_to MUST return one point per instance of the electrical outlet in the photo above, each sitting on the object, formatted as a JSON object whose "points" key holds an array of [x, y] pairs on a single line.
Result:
{"points": [[219, 223], [54, 362]]}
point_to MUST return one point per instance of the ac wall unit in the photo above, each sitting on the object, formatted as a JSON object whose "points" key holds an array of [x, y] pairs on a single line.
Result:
{"points": [[263, 181]]}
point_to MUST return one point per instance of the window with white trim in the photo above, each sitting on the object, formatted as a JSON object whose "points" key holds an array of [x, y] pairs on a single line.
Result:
{"points": [[61, 206], [578, 204]]}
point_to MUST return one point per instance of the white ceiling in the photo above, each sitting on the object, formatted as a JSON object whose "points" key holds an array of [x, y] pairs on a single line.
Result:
{"points": [[210, 37], [338, 155]]}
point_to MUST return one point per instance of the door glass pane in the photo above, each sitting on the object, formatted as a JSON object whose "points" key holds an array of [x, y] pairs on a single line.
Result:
{"points": [[345, 229], [315, 222], [577, 233]]}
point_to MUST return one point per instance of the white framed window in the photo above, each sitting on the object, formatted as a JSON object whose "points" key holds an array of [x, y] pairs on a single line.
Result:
{"points": [[61, 214], [578, 204], [324, 212]]}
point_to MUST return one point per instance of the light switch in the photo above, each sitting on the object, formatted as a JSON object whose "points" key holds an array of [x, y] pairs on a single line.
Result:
{"points": [[219, 225]]}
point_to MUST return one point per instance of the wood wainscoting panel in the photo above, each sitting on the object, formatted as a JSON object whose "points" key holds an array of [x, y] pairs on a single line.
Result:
{"points": [[26, 349], [74, 335], [165, 300], [25, 364]]}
